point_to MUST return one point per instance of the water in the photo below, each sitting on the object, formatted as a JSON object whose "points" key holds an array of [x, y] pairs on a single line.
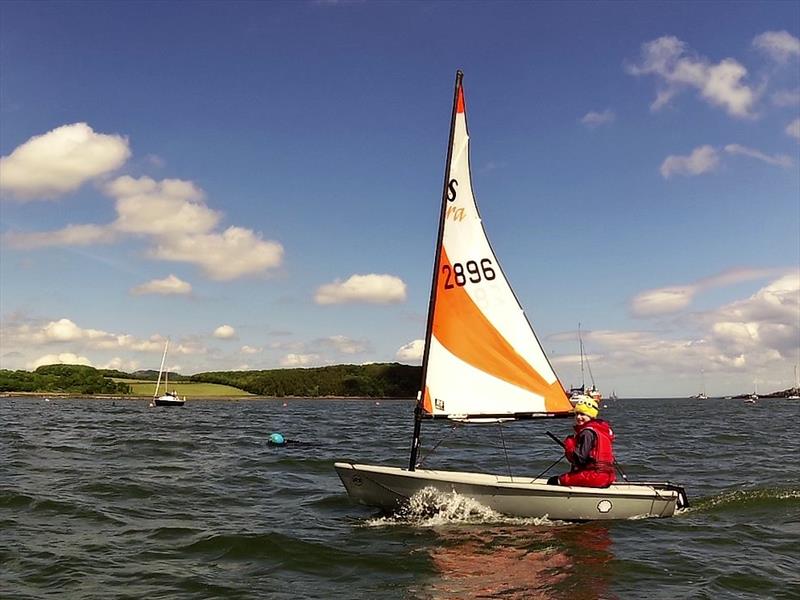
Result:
{"points": [[102, 498]]}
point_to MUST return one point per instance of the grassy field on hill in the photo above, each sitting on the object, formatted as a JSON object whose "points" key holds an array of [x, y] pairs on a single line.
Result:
{"points": [[190, 390]]}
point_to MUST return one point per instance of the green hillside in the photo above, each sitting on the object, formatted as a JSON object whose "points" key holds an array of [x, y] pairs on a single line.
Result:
{"points": [[183, 388]]}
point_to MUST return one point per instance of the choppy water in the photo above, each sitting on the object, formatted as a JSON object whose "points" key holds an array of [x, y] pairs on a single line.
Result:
{"points": [[104, 499]]}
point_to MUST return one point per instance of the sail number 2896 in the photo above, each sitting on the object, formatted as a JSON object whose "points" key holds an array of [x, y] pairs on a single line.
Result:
{"points": [[471, 271]]}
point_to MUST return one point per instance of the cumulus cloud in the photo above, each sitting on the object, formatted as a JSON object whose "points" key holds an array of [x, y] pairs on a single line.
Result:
{"points": [[171, 213], [26, 333], [234, 253], [64, 358], [374, 289], [768, 319], [250, 350], [225, 332], [169, 286], [412, 351], [299, 360], [702, 160], [793, 129], [594, 119], [779, 160], [71, 235], [170, 207], [676, 68], [60, 161], [672, 299], [737, 341], [780, 46]]}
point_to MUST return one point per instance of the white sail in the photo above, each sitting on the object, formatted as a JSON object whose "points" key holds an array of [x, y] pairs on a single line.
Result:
{"points": [[482, 356], [161, 370]]}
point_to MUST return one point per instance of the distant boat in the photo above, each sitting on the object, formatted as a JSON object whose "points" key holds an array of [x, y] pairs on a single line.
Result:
{"points": [[751, 399], [580, 393], [702, 395], [795, 395], [483, 364], [167, 398], [613, 395]]}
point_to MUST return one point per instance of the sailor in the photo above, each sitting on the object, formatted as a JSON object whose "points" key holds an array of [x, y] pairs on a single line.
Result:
{"points": [[590, 451]]}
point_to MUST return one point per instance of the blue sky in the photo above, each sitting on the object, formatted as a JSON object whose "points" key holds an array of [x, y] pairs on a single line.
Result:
{"points": [[260, 182]]}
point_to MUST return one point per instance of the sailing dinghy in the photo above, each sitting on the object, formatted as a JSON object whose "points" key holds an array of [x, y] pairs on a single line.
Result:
{"points": [[483, 363]]}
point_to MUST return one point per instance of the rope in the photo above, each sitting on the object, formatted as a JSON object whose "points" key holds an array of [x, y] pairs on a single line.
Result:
{"points": [[508, 463], [439, 443], [558, 460]]}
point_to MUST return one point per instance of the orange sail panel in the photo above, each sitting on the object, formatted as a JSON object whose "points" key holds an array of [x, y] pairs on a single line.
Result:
{"points": [[461, 327]]}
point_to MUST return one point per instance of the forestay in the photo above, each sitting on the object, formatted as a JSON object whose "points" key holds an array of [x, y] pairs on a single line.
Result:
{"points": [[482, 358]]}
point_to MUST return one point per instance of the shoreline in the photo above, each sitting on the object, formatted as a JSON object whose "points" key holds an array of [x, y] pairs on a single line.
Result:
{"points": [[70, 396]]}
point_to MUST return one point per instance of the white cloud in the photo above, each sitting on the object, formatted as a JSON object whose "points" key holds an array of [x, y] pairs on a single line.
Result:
{"points": [[672, 299], [71, 235], [26, 333], [662, 301], [299, 360], [64, 358], [171, 213], [793, 129], [168, 286], [225, 332], [412, 351], [236, 252], [701, 160], [343, 344], [250, 350], [721, 84], [786, 97], [594, 119], [171, 207], [129, 366], [375, 289], [60, 161], [780, 46], [780, 160], [767, 320]]}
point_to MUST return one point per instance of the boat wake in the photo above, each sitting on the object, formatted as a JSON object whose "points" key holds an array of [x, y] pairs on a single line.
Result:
{"points": [[430, 507], [739, 499]]}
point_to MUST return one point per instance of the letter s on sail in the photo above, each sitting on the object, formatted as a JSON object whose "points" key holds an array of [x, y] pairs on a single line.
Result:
{"points": [[451, 190]]}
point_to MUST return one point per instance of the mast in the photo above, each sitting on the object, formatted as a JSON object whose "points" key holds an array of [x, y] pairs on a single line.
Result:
{"points": [[161, 370], [580, 343], [412, 463]]}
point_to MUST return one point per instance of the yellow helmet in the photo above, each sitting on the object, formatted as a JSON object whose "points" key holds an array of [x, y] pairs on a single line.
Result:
{"points": [[587, 406]]}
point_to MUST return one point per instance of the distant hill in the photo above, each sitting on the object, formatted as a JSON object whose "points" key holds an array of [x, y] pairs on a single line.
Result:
{"points": [[144, 375], [380, 380]]}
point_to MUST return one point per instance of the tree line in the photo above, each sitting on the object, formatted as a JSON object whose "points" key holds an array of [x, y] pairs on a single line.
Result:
{"points": [[380, 380], [66, 379]]}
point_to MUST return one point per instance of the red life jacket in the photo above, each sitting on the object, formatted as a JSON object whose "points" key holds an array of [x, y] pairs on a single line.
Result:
{"points": [[602, 454]]}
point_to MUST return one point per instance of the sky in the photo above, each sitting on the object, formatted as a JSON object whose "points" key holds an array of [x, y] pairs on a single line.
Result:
{"points": [[260, 182]]}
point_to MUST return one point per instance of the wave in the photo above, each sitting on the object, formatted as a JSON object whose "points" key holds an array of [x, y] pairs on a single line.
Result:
{"points": [[33, 505]]}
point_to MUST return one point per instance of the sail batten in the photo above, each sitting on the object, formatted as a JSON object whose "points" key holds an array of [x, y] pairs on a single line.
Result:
{"points": [[482, 358]]}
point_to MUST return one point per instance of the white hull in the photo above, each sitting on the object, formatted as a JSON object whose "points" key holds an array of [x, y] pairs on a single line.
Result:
{"points": [[388, 488]]}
